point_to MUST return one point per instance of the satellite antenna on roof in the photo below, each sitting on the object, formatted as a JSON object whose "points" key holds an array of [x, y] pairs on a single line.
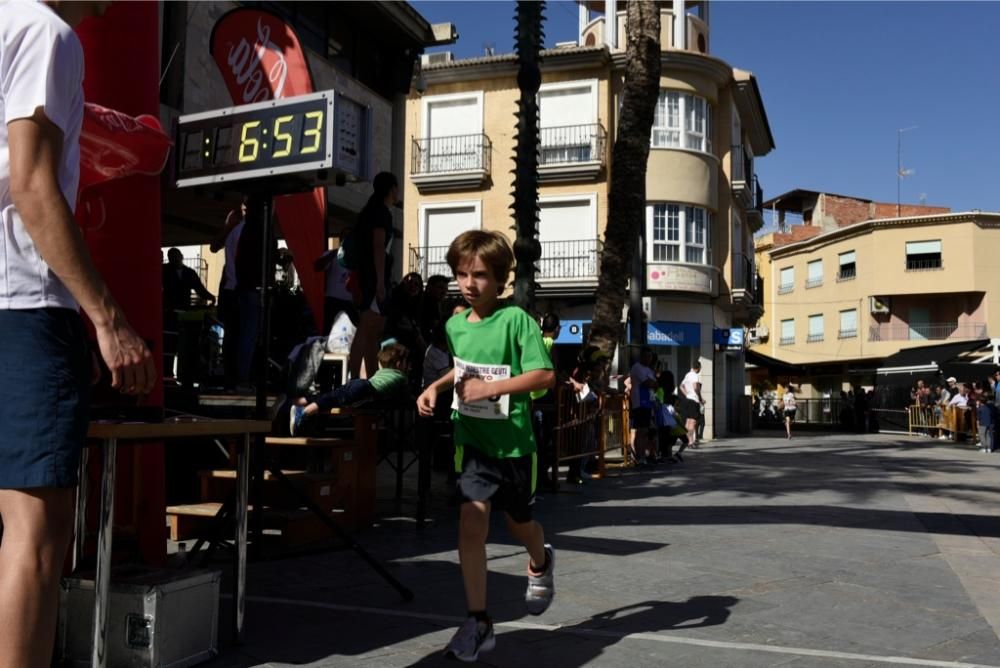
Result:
{"points": [[489, 48], [923, 198], [900, 172]]}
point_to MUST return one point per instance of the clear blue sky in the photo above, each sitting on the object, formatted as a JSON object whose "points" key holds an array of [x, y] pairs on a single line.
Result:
{"points": [[838, 80]]}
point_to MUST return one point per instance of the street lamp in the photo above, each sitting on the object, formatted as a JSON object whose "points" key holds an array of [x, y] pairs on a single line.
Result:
{"points": [[900, 172]]}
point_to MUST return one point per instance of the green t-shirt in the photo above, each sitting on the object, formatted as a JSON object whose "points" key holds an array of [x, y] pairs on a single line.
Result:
{"points": [[504, 345], [388, 382]]}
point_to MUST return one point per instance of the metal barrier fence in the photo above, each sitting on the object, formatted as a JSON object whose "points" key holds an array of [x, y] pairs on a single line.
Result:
{"points": [[953, 420], [589, 428]]}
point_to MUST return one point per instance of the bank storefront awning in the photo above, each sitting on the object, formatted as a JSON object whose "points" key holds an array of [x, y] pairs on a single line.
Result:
{"points": [[774, 366]]}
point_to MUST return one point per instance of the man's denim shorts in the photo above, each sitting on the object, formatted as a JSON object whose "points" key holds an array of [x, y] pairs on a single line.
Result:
{"points": [[45, 373]]}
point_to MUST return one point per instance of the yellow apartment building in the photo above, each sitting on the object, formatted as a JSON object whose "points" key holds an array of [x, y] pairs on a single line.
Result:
{"points": [[840, 301], [704, 203]]}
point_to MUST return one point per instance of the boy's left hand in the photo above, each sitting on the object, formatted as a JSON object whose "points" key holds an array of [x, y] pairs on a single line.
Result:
{"points": [[473, 389]]}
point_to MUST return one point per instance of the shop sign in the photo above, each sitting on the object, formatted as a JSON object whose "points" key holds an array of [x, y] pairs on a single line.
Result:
{"points": [[687, 278], [666, 333]]}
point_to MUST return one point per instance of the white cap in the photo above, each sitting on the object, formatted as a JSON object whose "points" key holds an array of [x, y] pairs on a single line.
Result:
{"points": [[951, 379]]}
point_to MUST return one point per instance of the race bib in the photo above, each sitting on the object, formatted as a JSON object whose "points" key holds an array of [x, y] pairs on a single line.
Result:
{"points": [[491, 408]]}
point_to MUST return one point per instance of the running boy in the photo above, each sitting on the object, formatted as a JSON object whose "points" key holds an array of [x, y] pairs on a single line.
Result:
{"points": [[499, 360]]}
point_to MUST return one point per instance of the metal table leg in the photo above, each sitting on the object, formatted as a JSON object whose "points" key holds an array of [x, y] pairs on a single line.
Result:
{"points": [[80, 534], [243, 494], [102, 580]]}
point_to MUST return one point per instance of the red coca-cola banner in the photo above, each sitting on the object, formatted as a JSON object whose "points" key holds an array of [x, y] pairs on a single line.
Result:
{"points": [[260, 58], [121, 221]]}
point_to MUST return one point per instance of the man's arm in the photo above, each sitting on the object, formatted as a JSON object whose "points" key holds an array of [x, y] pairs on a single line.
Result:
{"points": [[378, 250], [200, 288], [324, 260], [35, 145], [219, 240]]}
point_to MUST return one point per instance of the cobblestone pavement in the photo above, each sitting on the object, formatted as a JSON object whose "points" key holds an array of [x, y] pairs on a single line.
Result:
{"points": [[826, 550]]}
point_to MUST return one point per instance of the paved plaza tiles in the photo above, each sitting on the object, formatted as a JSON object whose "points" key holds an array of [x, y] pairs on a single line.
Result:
{"points": [[826, 550]]}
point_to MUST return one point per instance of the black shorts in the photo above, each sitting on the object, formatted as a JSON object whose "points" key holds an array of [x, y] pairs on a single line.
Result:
{"points": [[639, 418], [790, 414], [44, 397], [689, 409], [508, 482]]}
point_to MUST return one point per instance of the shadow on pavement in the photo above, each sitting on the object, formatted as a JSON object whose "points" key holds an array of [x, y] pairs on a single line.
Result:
{"points": [[577, 644]]}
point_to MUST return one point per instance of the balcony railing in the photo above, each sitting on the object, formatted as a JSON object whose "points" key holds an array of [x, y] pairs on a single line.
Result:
{"points": [[785, 288], [744, 183], [572, 144], [923, 263], [937, 331], [814, 282], [786, 341], [561, 260], [847, 273], [847, 334], [448, 155], [814, 338], [744, 275]]}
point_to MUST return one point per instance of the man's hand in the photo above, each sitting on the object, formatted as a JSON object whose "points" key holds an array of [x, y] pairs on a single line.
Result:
{"points": [[426, 402], [128, 358], [473, 389]]}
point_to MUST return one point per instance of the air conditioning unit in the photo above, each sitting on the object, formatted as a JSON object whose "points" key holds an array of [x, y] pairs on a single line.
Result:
{"points": [[438, 58], [880, 305], [759, 333]]}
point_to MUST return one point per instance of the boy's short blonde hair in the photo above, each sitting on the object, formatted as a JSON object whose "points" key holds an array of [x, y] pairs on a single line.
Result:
{"points": [[492, 247], [393, 356]]}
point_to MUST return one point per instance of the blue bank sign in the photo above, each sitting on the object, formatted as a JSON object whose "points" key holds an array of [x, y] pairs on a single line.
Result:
{"points": [[666, 333], [730, 339]]}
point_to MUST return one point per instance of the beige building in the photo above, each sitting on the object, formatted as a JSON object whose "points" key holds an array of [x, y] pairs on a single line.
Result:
{"points": [[844, 295], [703, 198]]}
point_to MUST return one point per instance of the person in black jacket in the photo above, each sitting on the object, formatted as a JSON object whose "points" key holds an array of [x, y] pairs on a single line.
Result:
{"points": [[373, 236]]}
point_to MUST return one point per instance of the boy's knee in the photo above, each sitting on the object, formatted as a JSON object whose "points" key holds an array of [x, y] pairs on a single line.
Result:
{"points": [[474, 519]]}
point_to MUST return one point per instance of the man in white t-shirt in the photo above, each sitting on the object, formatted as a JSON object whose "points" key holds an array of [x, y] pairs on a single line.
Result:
{"points": [[691, 401], [643, 385], [46, 276]]}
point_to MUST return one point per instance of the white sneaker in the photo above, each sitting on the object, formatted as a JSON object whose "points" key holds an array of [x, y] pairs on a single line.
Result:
{"points": [[541, 588], [470, 639]]}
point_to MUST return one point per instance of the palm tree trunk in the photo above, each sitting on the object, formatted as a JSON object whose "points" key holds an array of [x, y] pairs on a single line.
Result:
{"points": [[627, 196], [528, 40]]}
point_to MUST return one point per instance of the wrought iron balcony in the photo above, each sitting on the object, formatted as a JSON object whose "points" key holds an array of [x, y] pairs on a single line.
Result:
{"points": [[744, 185], [936, 331], [445, 163], [755, 212], [577, 260], [571, 152], [747, 285]]}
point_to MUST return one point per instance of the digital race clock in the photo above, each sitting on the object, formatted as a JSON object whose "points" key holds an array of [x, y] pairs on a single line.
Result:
{"points": [[295, 143]]}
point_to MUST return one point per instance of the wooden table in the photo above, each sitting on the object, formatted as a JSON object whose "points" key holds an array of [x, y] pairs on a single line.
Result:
{"points": [[109, 433]]}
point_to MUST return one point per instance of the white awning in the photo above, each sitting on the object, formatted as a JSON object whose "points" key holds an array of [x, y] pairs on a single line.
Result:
{"points": [[923, 247]]}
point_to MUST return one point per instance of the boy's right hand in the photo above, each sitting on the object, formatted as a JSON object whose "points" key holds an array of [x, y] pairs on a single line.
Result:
{"points": [[426, 402]]}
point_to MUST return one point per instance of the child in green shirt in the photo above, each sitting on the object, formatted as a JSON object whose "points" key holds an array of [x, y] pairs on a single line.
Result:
{"points": [[499, 360]]}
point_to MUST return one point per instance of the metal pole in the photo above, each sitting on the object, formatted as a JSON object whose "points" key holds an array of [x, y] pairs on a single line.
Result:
{"points": [[263, 349], [102, 580], [82, 490], [264, 320], [243, 495]]}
